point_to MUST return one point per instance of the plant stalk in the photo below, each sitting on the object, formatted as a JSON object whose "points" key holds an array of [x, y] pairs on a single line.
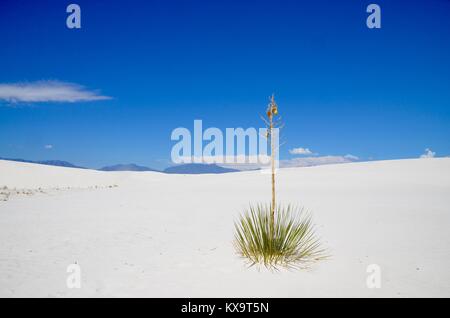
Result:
{"points": [[272, 156]]}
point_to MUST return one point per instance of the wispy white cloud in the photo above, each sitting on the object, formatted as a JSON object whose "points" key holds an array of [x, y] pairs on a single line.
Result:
{"points": [[301, 151], [47, 91], [428, 154], [48, 147]]}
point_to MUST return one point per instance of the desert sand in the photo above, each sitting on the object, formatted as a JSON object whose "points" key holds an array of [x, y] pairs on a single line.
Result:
{"points": [[149, 234]]}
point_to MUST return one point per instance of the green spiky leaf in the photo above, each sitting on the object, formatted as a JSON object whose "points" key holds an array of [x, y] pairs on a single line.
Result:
{"points": [[289, 241]]}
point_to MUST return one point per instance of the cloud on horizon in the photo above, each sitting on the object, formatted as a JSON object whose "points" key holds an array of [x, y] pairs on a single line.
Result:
{"points": [[428, 154], [47, 91], [317, 161], [301, 151], [252, 162], [244, 163], [351, 157]]}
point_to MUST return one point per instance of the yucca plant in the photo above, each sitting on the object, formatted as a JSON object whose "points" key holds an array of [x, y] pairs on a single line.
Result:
{"points": [[273, 235], [289, 241]]}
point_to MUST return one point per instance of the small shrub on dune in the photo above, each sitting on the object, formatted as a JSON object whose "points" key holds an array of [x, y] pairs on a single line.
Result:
{"points": [[290, 241]]}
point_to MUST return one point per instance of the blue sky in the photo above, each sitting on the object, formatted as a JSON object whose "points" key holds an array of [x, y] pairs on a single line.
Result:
{"points": [[342, 88]]}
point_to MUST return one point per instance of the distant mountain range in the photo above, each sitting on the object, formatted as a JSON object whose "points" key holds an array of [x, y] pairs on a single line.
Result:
{"points": [[194, 168], [58, 163], [198, 168], [126, 167]]}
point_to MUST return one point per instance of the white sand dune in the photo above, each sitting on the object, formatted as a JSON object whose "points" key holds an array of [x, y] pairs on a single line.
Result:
{"points": [[158, 235]]}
